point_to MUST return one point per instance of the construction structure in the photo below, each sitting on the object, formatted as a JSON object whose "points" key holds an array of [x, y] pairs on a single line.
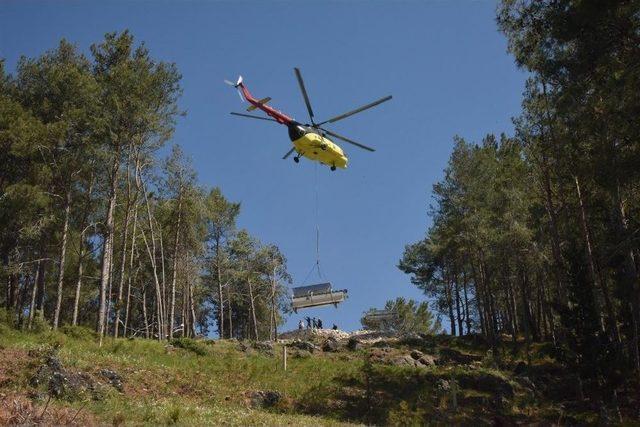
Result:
{"points": [[316, 295]]}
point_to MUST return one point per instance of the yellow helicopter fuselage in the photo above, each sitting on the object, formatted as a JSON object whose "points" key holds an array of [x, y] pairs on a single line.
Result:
{"points": [[320, 149]]}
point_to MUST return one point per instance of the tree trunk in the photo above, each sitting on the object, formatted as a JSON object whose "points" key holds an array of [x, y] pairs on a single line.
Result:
{"points": [[81, 245], [63, 256], [230, 312], [76, 300], [165, 322], [592, 269], [175, 268], [144, 312], [32, 305], [107, 245], [253, 310], [41, 290], [123, 259], [273, 327], [193, 311], [458, 311], [220, 297], [467, 318], [151, 251]]}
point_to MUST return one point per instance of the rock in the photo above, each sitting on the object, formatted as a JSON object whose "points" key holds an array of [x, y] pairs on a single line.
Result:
{"points": [[330, 345], [243, 346], [416, 354], [443, 384], [354, 344], [60, 382], [114, 379], [265, 347], [379, 355], [410, 339], [263, 398], [427, 360], [404, 360], [301, 354], [304, 345], [57, 383]]}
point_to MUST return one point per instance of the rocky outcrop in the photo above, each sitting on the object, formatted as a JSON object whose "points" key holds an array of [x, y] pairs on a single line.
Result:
{"points": [[304, 345], [262, 398]]}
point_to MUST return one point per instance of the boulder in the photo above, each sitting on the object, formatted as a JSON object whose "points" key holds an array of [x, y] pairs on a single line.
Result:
{"points": [[416, 354], [304, 345], [263, 398], [427, 360], [60, 382], [265, 347], [404, 360], [114, 379], [354, 344], [300, 354], [330, 345]]}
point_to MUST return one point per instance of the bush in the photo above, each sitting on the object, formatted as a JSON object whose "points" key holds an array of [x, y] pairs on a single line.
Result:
{"points": [[79, 332], [39, 324], [7, 318], [190, 344]]}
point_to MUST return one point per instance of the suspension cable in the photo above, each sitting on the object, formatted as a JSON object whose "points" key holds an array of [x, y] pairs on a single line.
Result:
{"points": [[317, 223]]}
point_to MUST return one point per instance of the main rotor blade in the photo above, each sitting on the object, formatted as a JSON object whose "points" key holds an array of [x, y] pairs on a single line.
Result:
{"points": [[351, 113], [350, 141], [253, 117], [304, 93], [288, 153]]}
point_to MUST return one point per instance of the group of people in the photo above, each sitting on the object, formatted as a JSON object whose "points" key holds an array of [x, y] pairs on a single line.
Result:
{"points": [[312, 323]]}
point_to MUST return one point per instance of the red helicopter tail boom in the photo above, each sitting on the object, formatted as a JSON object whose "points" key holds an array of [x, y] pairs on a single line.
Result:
{"points": [[271, 112]]}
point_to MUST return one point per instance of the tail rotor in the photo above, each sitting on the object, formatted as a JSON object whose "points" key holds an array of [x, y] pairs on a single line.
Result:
{"points": [[237, 86]]}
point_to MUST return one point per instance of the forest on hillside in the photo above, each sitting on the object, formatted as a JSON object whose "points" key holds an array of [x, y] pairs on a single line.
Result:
{"points": [[97, 228], [537, 234]]}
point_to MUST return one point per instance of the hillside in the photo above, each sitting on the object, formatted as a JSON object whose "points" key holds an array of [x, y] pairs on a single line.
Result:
{"points": [[65, 378]]}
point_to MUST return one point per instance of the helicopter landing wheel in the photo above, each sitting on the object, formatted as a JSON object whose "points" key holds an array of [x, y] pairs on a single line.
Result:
{"points": [[333, 168], [296, 159]]}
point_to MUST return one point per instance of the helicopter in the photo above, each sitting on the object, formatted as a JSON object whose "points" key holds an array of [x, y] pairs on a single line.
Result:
{"points": [[309, 140]]}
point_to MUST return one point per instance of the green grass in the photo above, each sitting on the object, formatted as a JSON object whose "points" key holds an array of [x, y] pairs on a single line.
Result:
{"points": [[183, 386], [197, 382]]}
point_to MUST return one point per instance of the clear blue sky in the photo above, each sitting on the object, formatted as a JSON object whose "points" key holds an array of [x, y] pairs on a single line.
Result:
{"points": [[444, 63]]}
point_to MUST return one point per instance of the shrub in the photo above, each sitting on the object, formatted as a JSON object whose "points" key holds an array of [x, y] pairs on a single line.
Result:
{"points": [[39, 324], [78, 332], [190, 344], [7, 318]]}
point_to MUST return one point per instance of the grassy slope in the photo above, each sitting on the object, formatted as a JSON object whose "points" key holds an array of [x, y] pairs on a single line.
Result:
{"points": [[165, 384], [169, 386]]}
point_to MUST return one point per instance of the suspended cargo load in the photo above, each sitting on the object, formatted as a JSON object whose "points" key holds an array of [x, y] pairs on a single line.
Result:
{"points": [[381, 315], [316, 295]]}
